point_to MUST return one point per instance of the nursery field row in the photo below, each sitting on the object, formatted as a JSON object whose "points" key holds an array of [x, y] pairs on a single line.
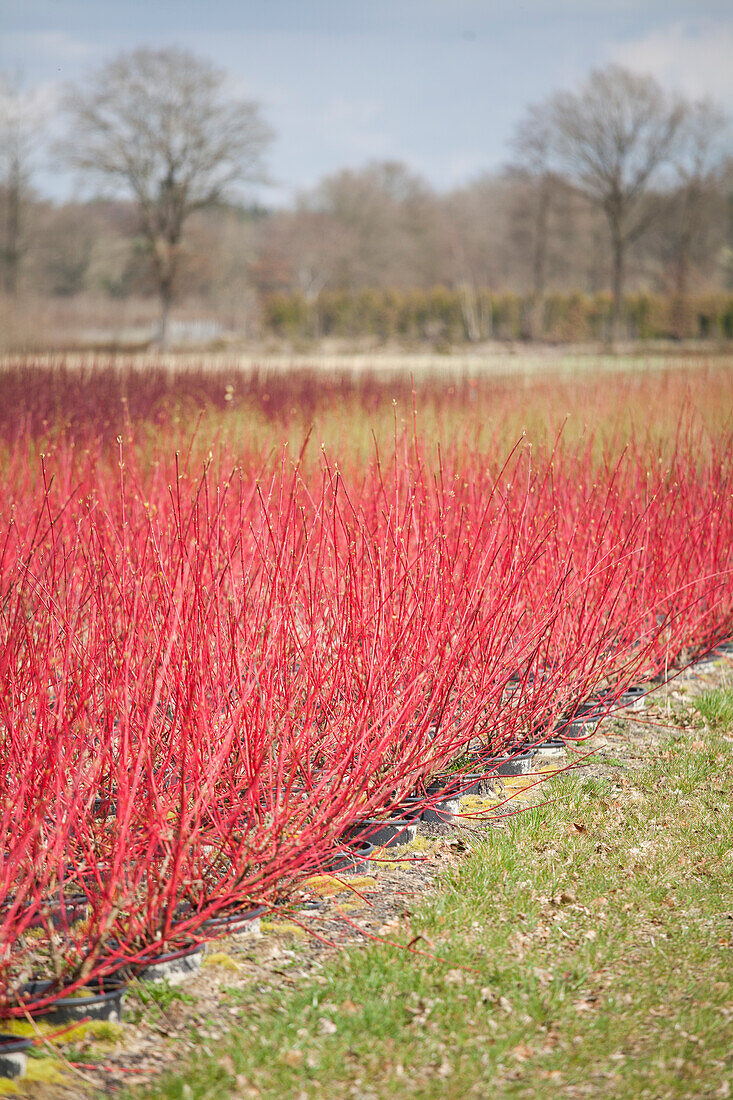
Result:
{"points": [[219, 678], [350, 401]]}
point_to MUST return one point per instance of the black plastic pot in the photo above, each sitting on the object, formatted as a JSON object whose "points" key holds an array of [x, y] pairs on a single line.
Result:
{"points": [[441, 813], [293, 793], [13, 1058], [507, 766], [592, 710], [61, 914], [458, 784], [71, 909], [383, 834], [408, 809], [550, 747], [172, 966], [633, 696], [355, 861], [101, 999], [574, 731], [473, 783], [235, 922], [430, 810], [240, 823], [104, 807]]}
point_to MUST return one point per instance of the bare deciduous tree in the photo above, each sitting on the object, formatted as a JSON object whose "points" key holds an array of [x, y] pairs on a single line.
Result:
{"points": [[384, 210], [157, 124], [611, 137], [533, 150], [692, 203], [20, 125]]}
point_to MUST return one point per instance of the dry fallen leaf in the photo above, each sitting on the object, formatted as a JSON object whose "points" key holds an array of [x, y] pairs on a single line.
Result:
{"points": [[245, 1089], [292, 1057], [390, 928], [563, 898], [458, 845]]}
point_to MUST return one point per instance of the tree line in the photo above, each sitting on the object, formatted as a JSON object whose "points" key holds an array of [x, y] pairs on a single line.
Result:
{"points": [[613, 216]]}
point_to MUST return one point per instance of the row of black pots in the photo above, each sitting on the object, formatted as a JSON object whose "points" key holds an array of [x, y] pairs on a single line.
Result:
{"points": [[439, 805], [607, 700], [103, 998], [440, 801], [586, 716], [176, 964]]}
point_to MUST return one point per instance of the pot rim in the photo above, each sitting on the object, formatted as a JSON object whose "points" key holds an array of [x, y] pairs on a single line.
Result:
{"points": [[234, 916], [13, 1044]]}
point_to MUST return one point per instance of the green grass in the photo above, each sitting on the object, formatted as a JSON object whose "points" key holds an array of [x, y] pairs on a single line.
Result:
{"points": [[585, 950], [160, 993], [716, 707]]}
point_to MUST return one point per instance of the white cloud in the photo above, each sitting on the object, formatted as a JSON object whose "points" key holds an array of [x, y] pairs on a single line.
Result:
{"points": [[692, 56]]}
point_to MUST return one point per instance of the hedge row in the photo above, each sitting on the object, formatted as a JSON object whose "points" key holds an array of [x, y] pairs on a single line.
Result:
{"points": [[443, 315]]}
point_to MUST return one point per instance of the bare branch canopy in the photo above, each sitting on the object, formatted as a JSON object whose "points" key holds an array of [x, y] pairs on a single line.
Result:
{"points": [[158, 125], [611, 138]]}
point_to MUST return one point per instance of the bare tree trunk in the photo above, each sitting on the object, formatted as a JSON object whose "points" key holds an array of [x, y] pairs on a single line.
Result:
{"points": [[619, 249], [314, 317], [12, 249], [539, 263], [688, 226], [166, 297], [680, 304], [164, 257], [486, 319], [470, 313]]}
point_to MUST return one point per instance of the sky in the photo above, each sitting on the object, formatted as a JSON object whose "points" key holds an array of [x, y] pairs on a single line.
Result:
{"points": [[437, 84]]}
